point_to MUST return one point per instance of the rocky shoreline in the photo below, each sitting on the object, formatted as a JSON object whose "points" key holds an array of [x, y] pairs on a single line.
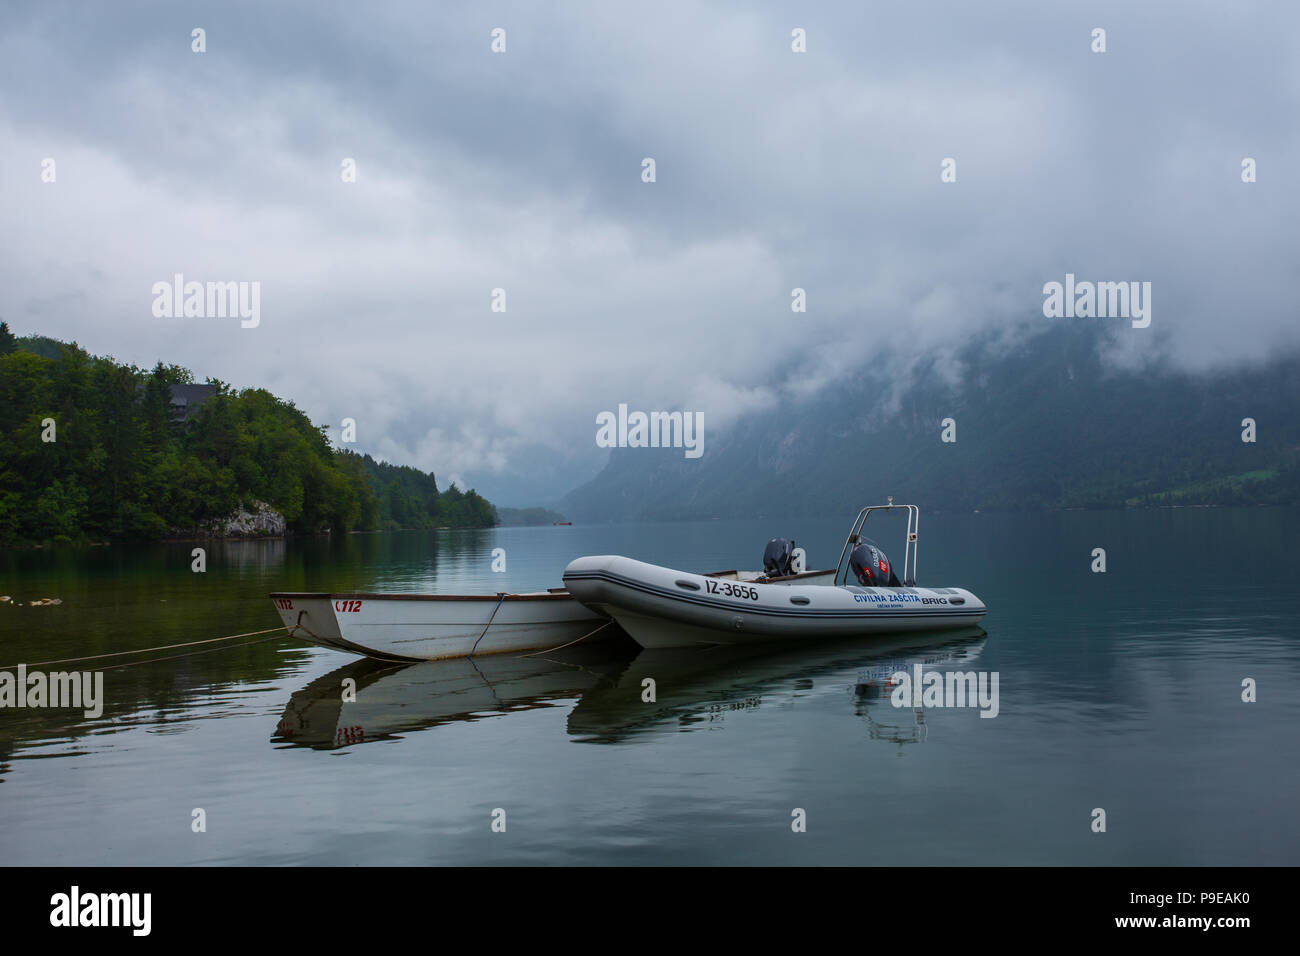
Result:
{"points": [[262, 521]]}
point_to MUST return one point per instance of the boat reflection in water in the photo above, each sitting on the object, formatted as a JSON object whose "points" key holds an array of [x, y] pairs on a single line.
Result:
{"points": [[393, 698], [692, 688]]}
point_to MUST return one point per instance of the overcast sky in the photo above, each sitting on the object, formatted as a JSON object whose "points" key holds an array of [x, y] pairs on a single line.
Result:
{"points": [[522, 171]]}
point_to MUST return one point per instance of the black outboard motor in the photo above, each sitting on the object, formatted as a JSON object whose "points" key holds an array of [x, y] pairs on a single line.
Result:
{"points": [[778, 557], [871, 567]]}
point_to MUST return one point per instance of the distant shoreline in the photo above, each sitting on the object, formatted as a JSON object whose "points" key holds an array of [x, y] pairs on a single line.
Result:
{"points": [[51, 545], [192, 539]]}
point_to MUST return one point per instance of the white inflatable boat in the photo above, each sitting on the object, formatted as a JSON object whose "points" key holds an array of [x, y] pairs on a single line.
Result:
{"points": [[662, 607]]}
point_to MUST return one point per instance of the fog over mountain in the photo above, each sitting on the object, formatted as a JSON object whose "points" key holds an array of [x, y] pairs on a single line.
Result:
{"points": [[1044, 423], [522, 171]]}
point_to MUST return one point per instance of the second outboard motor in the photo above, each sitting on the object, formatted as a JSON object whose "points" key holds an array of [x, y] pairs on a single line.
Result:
{"points": [[778, 557], [871, 567]]}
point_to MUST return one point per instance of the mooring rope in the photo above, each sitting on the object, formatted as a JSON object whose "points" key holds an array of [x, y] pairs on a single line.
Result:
{"points": [[145, 650], [176, 657], [570, 644], [500, 601]]}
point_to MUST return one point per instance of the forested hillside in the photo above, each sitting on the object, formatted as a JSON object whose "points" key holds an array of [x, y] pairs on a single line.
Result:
{"points": [[409, 498], [91, 449]]}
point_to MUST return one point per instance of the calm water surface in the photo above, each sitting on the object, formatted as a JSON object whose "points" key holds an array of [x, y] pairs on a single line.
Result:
{"points": [[1119, 691]]}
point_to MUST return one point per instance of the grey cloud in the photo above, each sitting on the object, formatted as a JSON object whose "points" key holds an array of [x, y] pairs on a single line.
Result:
{"points": [[522, 171]]}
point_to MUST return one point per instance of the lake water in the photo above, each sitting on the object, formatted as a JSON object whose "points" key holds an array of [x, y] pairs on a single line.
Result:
{"points": [[1120, 691]]}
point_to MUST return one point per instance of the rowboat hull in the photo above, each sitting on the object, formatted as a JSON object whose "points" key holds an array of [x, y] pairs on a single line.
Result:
{"points": [[427, 627], [663, 607]]}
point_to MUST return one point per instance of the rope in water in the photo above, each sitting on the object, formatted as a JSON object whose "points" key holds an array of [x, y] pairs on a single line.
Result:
{"points": [[146, 650], [175, 657]]}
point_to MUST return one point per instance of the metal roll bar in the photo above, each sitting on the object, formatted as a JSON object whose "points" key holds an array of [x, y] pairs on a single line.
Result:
{"points": [[909, 553]]}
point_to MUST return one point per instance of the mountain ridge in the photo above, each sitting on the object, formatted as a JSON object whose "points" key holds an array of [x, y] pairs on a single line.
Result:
{"points": [[1045, 424]]}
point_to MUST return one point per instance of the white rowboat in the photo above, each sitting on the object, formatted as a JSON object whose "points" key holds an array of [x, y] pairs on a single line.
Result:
{"points": [[432, 627]]}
